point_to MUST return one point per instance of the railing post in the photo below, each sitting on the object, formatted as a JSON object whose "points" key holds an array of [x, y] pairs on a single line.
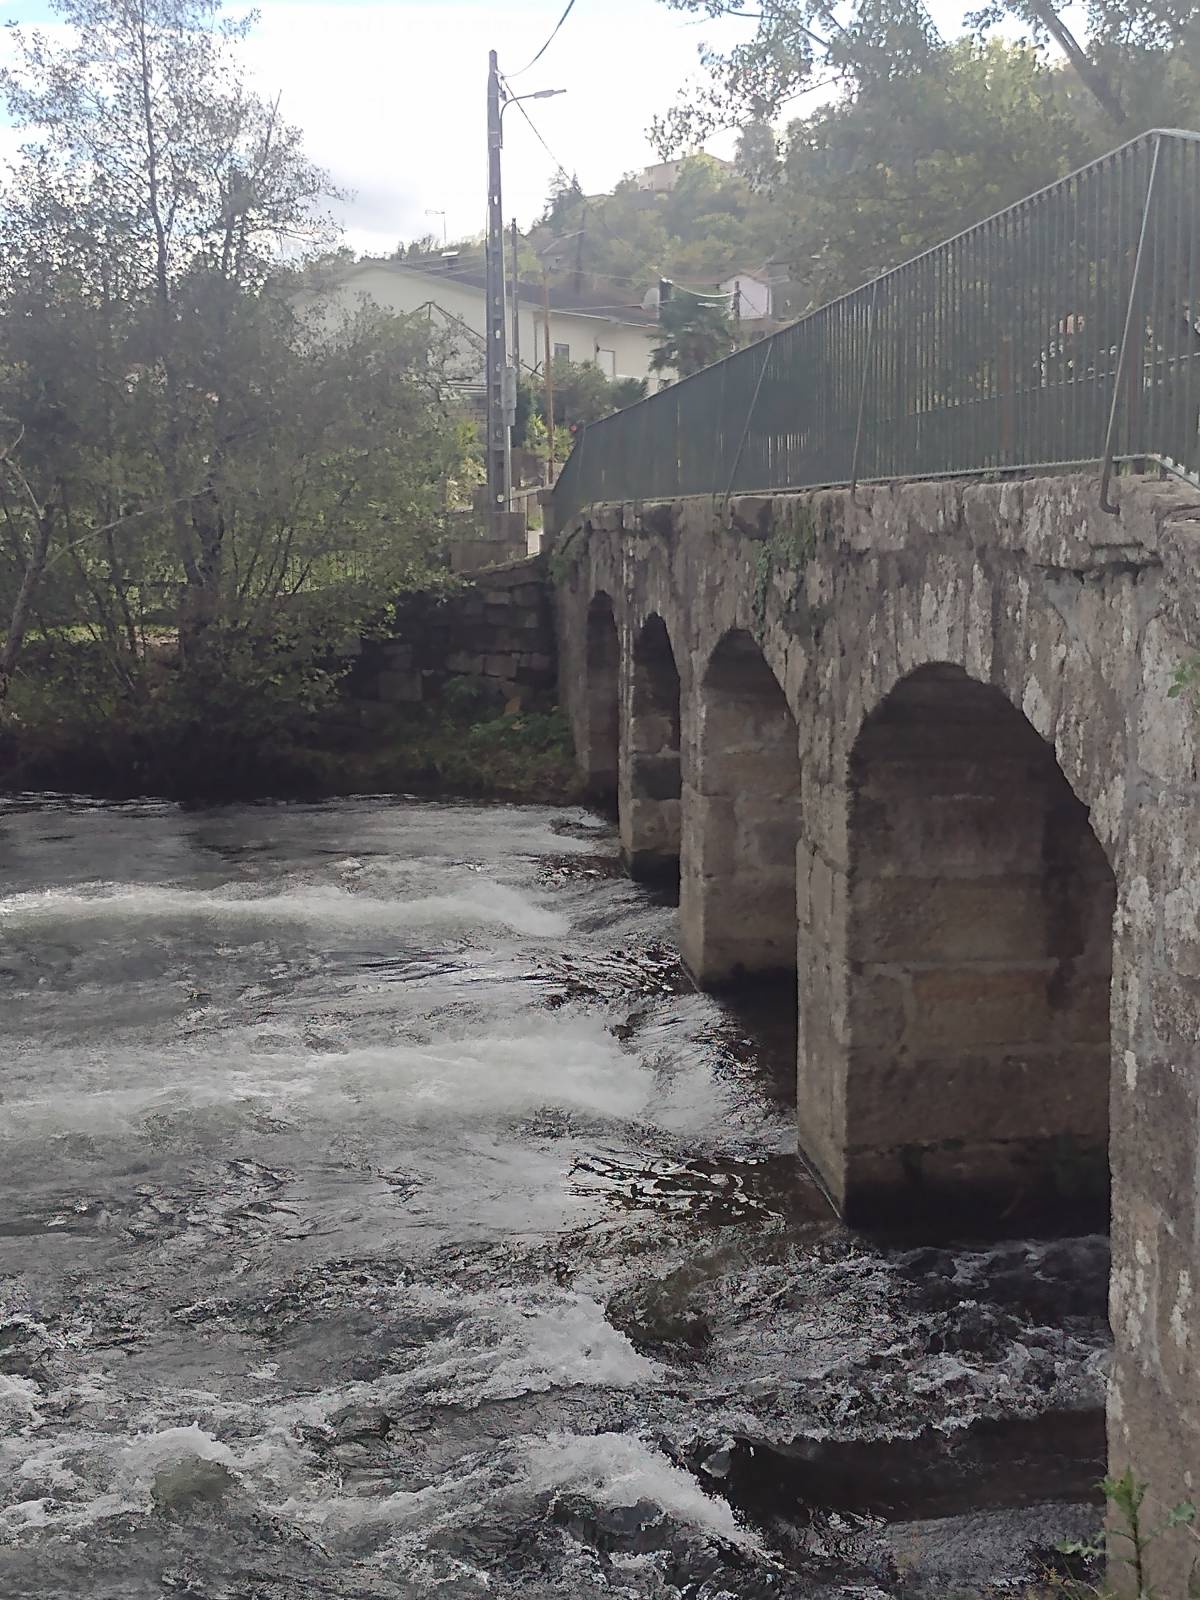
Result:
{"points": [[862, 388], [1123, 356], [737, 460], [1005, 398]]}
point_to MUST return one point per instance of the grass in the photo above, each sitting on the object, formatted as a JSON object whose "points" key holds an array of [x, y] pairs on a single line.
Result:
{"points": [[523, 756]]}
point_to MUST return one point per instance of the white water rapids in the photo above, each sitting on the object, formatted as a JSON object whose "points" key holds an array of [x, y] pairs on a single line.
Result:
{"points": [[382, 1214]]}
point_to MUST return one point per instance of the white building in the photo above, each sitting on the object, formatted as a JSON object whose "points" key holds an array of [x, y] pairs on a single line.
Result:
{"points": [[750, 295], [589, 327], [662, 177]]}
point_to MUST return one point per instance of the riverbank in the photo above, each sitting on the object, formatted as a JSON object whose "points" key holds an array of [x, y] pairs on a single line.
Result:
{"points": [[451, 749]]}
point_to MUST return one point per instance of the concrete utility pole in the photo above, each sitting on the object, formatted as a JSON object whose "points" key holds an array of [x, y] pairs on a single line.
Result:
{"points": [[548, 376], [516, 286], [501, 378], [499, 434]]}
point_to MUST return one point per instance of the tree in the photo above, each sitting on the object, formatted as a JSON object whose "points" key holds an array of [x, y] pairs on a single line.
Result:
{"points": [[179, 447], [619, 245], [159, 178], [695, 333], [758, 156], [582, 394], [798, 44], [905, 163]]}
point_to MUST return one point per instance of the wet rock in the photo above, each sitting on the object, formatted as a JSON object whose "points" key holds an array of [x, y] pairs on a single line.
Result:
{"points": [[635, 1529], [652, 970], [664, 1314], [190, 1480], [367, 1422], [998, 1462], [24, 1349]]}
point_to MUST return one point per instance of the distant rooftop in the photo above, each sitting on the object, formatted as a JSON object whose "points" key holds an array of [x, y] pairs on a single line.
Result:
{"points": [[588, 303]]}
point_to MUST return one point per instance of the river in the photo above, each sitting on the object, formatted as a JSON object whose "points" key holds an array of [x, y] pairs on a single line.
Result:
{"points": [[383, 1214]]}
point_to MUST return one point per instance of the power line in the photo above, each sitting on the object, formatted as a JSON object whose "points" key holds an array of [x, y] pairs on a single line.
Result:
{"points": [[471, 275], [520, 105], [603, 220], [550, 40]]}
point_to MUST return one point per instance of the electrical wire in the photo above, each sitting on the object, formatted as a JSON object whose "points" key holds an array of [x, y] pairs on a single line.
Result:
{"points": [[520, 105], [623, 311], [549, 41], [603, 220]]}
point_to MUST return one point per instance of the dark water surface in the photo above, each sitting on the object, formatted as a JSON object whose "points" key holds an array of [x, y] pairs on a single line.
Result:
{"points": [[381, 1214]]}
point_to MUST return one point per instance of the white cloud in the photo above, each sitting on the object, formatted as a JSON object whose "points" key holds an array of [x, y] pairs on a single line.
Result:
{"points": [[391, 98]]}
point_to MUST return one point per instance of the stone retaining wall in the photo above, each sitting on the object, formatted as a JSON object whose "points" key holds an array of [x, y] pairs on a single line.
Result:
{"points": [[497, 633]]}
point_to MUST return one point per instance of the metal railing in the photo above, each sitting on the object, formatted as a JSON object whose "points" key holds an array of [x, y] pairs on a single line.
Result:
{"points": [[1062, 331]]}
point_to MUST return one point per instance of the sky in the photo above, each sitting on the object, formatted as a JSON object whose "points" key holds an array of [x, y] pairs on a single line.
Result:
{"points": [[391, 95]]}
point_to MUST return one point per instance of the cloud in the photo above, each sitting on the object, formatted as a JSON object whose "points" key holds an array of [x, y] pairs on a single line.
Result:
{"points": [[391, 98]]}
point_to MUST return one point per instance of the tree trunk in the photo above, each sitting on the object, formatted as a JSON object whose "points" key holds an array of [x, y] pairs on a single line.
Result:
{"points": [[201, 603], [1092, 77], [18, 621]]}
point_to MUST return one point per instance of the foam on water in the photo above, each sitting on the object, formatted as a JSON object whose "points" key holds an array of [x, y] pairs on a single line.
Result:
{"points": [[561, 1060], [139, 908], [505, 1343], [357, 1163], [622, 1469]]}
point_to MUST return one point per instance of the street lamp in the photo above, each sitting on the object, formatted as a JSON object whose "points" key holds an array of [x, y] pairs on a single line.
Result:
{"points": [[441, 214], [538, 94]]}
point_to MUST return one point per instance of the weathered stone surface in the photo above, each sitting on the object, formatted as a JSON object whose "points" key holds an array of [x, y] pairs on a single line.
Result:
{"points": [[498, 633], [400, 688], [461, 661], [959, 866]]}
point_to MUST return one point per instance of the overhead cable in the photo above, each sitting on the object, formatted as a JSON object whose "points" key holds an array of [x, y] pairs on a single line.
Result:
{"points": [[549, 41]]}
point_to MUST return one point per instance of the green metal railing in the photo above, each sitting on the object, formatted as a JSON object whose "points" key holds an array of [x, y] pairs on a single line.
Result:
{"points": [[1062, 331]]}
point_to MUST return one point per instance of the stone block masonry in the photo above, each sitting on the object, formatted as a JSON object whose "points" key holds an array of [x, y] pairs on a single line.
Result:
{"points": [[496, 634], [918, 747]]}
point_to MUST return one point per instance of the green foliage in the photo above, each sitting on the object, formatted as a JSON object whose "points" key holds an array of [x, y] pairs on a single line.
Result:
{"points": [[758, 156], [1186, 682], [582, 394], [910, 160], [789, 549], [1129, 1539], [564, 557], [456, 747], [201, 488], [712, 222], [798, 44], [694, 333], [927, 135], [628, 391]]}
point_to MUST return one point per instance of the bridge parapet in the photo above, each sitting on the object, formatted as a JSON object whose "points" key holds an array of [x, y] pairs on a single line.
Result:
{"points": [[1063, 330]]}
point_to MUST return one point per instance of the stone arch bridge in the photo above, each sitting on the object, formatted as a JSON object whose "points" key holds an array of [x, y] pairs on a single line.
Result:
{"points": [[915, 749]]}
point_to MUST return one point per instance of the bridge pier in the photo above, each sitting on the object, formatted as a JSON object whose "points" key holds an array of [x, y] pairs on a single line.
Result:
{"points": [[737, 897], [598, 738], [650, 767], [979, 956]]}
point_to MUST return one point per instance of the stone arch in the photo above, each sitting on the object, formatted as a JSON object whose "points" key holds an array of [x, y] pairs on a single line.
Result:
{"points": [[737, 905], [650, 771], [600, 740], [978, 917]]}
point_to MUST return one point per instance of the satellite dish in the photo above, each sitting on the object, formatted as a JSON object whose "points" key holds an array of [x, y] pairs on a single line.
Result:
{"points": [[651, 299]]}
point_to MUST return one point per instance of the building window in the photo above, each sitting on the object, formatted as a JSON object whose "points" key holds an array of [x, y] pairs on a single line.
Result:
{"points": [[562, 352], [606, 360]]}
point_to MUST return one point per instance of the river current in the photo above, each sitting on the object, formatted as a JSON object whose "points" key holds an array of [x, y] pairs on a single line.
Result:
{"points": [[383, 1214]]}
